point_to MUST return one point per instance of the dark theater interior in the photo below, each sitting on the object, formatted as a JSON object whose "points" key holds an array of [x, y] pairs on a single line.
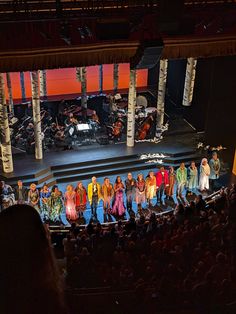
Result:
{"points": [[118, 156]]}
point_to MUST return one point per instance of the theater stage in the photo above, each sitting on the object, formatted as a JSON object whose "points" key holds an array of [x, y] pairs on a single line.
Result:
{"points": [[64, 167]]}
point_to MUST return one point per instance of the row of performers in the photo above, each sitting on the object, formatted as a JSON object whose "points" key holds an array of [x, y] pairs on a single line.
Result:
{"points": [[141, 190]]}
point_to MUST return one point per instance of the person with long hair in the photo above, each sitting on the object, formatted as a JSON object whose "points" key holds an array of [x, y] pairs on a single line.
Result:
{"points": [[33, 196], [80, 199], [29, 279], [107, 192], [56, 204], [45, 195], [70, 203], [118, 207]]}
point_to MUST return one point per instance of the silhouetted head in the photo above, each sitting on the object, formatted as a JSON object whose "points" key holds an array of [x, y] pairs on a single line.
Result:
{"points": [[29, 281]]}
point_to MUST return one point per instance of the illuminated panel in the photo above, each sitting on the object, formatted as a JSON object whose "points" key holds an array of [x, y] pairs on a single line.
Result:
{"points": [[63, 81]]}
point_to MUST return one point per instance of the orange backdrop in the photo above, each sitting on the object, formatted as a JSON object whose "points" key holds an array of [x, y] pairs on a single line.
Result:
{"points": [[63, 81]]}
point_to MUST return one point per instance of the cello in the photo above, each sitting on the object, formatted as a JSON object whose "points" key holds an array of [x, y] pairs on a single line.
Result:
{"points": [[145, 127]]}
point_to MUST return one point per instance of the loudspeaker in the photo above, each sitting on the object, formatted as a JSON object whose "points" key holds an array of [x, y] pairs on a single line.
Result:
{"points": [[147, 55]]}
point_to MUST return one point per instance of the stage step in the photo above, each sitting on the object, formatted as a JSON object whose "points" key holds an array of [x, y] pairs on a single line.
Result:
{"points": [[115, 170], [46, 176], [131, 162]]}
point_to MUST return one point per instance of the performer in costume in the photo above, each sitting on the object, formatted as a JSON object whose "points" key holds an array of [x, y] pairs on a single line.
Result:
{"points": [[7, 195], [118, 207], [172, 180], [162, 181], [151, 187], [129, 190], [181, 176], [81, 199], [70, 200], [204, 175], [94, 195], [45, 201], [140, 191], [56, 204], [192, 177], [107, 192], [33, 197], [214, 165]]}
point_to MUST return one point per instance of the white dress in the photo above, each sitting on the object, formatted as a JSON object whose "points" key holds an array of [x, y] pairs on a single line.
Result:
{"points": [[204, 177]]}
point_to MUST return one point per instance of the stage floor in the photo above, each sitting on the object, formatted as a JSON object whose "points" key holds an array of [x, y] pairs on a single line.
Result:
{"points": [[26, 164]]}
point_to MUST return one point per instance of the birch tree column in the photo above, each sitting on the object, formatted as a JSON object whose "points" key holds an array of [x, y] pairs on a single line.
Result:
{"points": [[7, 162], [131, 108], [189, 81], [36, 115], [43, 83], [115, 77], [22, 85], [9, 89], [83, 78], [161, 95], [100, 79]]}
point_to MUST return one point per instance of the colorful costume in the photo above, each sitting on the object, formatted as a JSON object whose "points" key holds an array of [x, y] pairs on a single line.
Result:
{"points": [[172, 180], [33, 199], [118, 207], [192, 178], [70, 205], [80, 200], [214, 165], [181, 177], [45, 203], [94, 196], [162, 181], [150, 188], [56, 206], [107, 196]]}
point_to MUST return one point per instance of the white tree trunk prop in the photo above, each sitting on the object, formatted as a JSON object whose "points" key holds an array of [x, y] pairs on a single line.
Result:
{"points": [[161, 95], [78, 74], [9, 89], [43, 83], [22, 84], [131, 109], [100, 78], [189, 81], [7, 162], [36, 115], [83, 77], [115, 77]]}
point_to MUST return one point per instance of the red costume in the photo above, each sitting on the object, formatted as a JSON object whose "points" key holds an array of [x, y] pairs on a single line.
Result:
{"points": [[162, 177]]}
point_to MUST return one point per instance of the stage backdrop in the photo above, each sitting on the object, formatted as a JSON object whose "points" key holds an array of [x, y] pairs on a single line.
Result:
{"points": [[63, 81]]}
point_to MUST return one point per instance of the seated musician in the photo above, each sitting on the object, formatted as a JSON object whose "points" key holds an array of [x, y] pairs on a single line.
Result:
{"points": [[71, 120], [53, 129], [95, 117], [30, 129]]}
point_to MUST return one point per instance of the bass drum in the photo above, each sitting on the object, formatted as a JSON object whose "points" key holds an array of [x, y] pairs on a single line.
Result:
{"points": [[141, 101]]}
